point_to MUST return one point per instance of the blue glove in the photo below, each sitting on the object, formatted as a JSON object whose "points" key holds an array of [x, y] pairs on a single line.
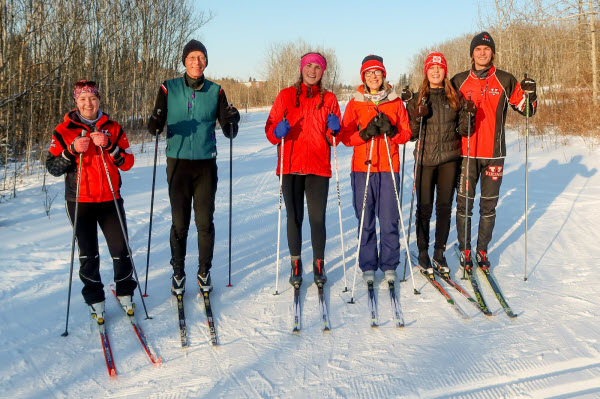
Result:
{"points": [[333, 123], [282, 129]]}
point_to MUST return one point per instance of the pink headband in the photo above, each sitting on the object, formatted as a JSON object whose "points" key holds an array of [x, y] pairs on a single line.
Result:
{"points": [[85, 86], [313, 58]]}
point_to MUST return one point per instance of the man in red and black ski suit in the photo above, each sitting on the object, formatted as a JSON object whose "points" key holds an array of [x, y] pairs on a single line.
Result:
{"points": [[492, 90]]}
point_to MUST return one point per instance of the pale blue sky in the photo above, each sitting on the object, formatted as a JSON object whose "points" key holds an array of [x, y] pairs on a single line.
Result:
{"points": [[238, 37]]}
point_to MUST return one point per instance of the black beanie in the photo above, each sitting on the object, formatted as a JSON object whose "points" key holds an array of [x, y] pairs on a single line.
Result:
{"points": [[193, 45], [483, 39]]}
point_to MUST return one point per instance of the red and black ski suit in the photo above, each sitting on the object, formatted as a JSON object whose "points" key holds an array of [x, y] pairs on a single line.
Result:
{"points": [[486, 147], [96, 205]]}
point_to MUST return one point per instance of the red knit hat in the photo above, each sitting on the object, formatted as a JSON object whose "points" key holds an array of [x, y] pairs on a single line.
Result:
{"points": [[371, 62], [85, 86], [435, 58]]}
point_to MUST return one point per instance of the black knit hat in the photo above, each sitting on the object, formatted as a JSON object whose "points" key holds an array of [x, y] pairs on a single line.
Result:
{"points": [[483, 39], [193, 45]]}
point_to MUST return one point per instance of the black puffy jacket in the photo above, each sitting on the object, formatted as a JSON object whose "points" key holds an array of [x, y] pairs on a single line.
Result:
{"points": [[442, 129]]}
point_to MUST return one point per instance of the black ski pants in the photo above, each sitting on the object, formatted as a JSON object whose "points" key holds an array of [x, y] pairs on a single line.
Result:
{"points": [[192, 183], [316, 188], [90, 215], [441, 181], [489, 172]]}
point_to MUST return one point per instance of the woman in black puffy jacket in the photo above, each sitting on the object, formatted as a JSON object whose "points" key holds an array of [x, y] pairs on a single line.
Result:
{"points": [[442, 118]]}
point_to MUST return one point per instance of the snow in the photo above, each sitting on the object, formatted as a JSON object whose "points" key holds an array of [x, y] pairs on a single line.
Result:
{"points": [[551, 350]]}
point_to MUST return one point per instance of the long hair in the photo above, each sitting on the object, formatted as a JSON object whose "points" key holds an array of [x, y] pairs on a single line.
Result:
{"points": [[451, 94], [298, 86]]}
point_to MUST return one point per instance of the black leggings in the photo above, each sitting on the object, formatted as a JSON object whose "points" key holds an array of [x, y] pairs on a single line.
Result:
{"points": [[90, 215], [443, 177], [316, 189]]}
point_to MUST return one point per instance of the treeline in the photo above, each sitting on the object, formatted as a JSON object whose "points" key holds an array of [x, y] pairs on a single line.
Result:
{"points": [[127, 46], [556, 43], [282, 69]]}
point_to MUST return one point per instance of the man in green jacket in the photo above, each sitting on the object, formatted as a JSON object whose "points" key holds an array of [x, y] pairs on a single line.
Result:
{"points": [[190, 106]]}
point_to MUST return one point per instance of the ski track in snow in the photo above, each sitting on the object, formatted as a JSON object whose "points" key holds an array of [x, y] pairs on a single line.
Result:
{"points": [[551, 350]]}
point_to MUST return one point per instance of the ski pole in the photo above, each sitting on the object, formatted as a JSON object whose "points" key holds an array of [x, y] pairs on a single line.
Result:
{"points": [[151, 209], [403, 160], [125, 237], [412, 199], [405, 243], [279, 217], [362, 217], [337, 184], [79, 168], [230, 192], [464, 277], [526, 172]]}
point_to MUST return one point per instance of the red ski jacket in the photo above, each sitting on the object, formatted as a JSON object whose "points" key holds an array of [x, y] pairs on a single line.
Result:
{"points": [[307, 145], [357, 115], [491, 95], [94, 184]]}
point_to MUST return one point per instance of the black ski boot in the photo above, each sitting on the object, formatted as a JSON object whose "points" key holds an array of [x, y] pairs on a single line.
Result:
{"points": [[204, 282], [440, 264], [296, 273], [319, 272], [465, 260], [425, 263], [178, 284], [482, 260]]}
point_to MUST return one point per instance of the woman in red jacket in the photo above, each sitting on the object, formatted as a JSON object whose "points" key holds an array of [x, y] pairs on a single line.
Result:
{"points": [[305, 117], [88, 132], [376, 114]]}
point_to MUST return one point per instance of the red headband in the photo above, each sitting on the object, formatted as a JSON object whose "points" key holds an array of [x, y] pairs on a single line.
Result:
{"points": [[313, 58], [85, 86]]}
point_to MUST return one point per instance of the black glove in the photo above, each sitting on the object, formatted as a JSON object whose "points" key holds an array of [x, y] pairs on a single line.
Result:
{"points": [[421, 110], [154, 127], [119, 159], [385, 125], [232, 115], [406, 94], [230, 130], [528, 86], [372, 130], [470, 108]]}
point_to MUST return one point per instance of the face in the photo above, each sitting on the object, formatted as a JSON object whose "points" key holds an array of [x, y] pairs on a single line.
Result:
{"points": [[195, 63], [374, 79], [311, 74], [482, 55], [88, 105], [436, 75]]}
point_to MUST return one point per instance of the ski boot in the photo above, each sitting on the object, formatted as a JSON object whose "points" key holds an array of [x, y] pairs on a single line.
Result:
{"points": [[127, 304], [390, 276], [425, 263], [204, 282], [97, 311], [465, 260], [440, 264], [296, 273], [178, 284], [369, 276], [319, 272], [482, 260]]}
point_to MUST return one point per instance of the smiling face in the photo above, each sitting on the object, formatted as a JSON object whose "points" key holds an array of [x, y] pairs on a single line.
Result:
{"points": [[195, 63], [436, 75], [482, 56], [88, 105], [311, 74], [374, 79]]}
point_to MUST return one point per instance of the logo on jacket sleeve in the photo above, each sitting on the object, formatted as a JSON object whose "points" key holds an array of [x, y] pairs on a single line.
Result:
{"points": [[495, 172]]}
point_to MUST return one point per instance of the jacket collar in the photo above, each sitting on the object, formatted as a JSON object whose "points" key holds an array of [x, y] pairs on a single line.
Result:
{"points": [[360, 94]]}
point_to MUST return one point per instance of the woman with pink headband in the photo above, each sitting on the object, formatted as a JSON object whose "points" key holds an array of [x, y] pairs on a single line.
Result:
{"points": [[303, 119]]}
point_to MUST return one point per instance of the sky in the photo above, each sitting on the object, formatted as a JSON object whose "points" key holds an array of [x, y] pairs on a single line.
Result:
{"points": [[238, 36]]}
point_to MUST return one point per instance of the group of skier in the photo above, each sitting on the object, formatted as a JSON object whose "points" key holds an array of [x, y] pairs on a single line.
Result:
{"points": [[450, 119]]}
